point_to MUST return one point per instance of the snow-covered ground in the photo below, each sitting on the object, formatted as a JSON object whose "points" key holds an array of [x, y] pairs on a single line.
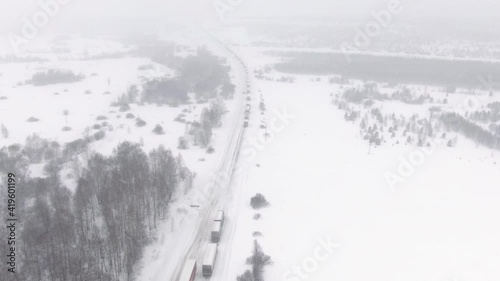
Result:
{"points": [[326, 192], [333, 215]]}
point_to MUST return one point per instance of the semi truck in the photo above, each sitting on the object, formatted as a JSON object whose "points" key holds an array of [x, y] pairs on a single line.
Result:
{"points": [[189, 271], [208, 265], [219, 216], [216, 231]]}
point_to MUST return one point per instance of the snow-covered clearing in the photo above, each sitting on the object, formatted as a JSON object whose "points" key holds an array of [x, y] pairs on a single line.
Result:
{"points": [[441, 223]]}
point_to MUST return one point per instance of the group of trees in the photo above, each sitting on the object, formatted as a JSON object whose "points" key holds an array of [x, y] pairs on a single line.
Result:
{"points": [[99, 232], [203, 73], [370, 92], [459, 124], [165, 91], [210, 118], [54, 76], [376, 127]]}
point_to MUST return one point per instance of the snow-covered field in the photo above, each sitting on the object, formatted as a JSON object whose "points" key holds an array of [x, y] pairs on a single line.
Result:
{"points": [[328, 193], [333, 213]]}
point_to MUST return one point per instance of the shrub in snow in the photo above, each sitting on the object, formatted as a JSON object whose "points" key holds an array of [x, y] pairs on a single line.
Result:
{"points": [[210, 150], [257, 234], [99, 135], [96, 127], [183, 143], [129, 116], [180, 119], [88, 92], [139, 122], [101, 117], [3, 98], [258, 201], [107, 93], [124, 107], [158, 130], [66, 128], [32, 119], [257, 216], [5, 132]]}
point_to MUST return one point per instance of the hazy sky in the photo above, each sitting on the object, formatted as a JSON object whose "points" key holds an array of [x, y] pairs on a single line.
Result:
{"points": [[87, 11]]}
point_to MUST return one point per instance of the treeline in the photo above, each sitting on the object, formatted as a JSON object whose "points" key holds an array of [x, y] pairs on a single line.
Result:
{"points": [[491, 114], [203, 73], [410, 70], [54, 76], [457, 123], [99, 232], [370, 92]]}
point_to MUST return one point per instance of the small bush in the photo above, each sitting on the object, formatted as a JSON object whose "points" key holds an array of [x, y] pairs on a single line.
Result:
{"points": [[257, 216], [96, 127], [107, 93], [158, 130], [139, 122], [210, 150], [88, 92], [257, 234], [180, 119], [101, 117], [99, 135], [129, 116], [32, 119], [258, 201], [124, 107], [66, 128], [183, 143]]}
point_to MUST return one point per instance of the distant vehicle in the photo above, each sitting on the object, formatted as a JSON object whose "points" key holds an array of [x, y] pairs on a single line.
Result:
{"points": [[247, 107], [245, 123], [189, 271], [220, 217], [248, 97], [216, 231], [208, 265], [247, 113]]}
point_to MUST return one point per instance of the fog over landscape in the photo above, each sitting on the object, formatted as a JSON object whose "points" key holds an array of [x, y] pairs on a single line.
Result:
{"points": [[250, 140]]}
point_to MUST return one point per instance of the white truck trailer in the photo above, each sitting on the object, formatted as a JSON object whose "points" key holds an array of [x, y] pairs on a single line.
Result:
{"points": [[216, 231], [189, 271], [208, 265], [219, 216]]}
